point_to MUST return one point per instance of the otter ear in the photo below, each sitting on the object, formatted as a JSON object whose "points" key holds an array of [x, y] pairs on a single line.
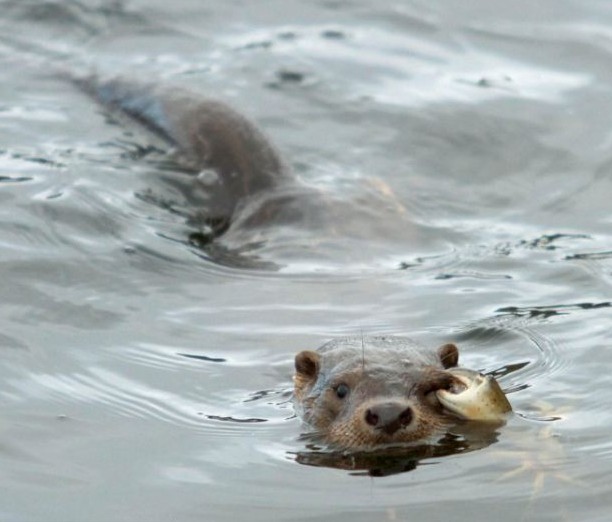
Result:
{"points": [[307, 365], [449, 355]]}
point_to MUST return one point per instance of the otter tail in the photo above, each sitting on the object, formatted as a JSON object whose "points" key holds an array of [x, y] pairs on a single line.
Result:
{"points": [[137, 100], [210, 134]]}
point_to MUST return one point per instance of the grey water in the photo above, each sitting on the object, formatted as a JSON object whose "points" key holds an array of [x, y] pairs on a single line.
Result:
{"points": [[144, 377]]}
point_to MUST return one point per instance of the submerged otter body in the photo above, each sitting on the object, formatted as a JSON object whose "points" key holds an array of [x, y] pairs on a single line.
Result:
{"points": [[359, 393], [248, 197]]}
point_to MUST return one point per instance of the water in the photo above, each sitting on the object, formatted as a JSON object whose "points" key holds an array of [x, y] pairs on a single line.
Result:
{"points": [[142, 378]]}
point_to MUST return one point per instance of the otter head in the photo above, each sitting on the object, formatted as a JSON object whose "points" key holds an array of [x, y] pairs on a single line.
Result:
{"points": [[358, 396]]}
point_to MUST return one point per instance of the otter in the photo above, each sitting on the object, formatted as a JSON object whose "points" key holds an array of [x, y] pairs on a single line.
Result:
{"points": [[248, 198], [360, 393]]}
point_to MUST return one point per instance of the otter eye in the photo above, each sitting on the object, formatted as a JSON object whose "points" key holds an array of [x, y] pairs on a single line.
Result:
{"points": [[341, 390]]}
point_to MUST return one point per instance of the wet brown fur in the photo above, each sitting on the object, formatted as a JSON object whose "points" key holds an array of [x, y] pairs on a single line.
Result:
{"points": [[391, 371]]}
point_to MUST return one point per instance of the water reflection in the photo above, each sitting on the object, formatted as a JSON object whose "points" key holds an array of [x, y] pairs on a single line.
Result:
{"points": [[464, 438]]}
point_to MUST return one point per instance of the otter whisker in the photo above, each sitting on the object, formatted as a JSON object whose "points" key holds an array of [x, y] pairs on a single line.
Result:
{"points": [[362, 350]]}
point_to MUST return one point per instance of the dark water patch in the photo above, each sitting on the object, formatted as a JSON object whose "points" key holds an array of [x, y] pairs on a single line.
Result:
{"points": [[472, 275], [160, 357], [288, 35], [425, 262], [489, 83], [22, 159], [203, 358], [334, 34], [550, 241], [546, 312], [273, 396], [262, 44], [538, 312], [271, 39], [591, 256], [236, 420], [290, 76], [546, 242], [15, 179]]}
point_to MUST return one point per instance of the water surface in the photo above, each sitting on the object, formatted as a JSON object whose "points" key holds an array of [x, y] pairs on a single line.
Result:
{"points": [[143, 378]]}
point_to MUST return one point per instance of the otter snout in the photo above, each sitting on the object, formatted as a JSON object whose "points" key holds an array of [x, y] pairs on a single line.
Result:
{"points": [[389, 416]]}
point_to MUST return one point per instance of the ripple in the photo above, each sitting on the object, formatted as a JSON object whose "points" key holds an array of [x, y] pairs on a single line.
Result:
{"points": [[123, 396], [52, 24], [164, 357], [158, 383], [537, 357]]}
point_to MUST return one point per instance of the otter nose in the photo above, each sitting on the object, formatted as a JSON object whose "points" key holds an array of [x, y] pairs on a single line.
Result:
{"points": [[389, 416]]}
